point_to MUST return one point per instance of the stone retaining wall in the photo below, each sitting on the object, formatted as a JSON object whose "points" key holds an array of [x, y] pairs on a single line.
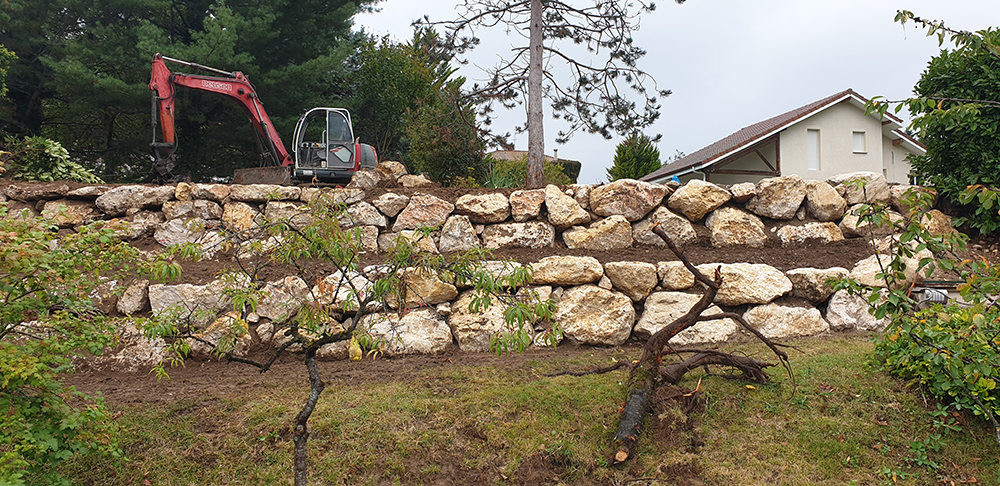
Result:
{"points": [[597, 304]]}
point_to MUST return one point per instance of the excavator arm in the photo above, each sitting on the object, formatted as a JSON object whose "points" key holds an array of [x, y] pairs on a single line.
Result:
{"points": [[235, 85]]}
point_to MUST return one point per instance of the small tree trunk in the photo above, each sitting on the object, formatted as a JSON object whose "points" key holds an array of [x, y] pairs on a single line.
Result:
{"points": [[301, 436], [536, 135]]}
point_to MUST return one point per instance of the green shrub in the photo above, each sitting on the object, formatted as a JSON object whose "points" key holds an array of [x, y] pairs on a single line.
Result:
{"points": [[38, 159], [513, 173], [635, 157]]}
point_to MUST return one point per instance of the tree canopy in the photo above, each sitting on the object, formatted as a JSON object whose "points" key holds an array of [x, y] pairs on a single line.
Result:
{"points": [[587, 95], [635, 157]]}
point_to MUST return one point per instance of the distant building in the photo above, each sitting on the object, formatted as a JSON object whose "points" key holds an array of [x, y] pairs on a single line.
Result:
{"points": [[816, 141]]}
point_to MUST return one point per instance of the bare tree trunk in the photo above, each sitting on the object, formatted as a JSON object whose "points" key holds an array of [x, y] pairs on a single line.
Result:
{"points": [[301, 435], [536, 135]]}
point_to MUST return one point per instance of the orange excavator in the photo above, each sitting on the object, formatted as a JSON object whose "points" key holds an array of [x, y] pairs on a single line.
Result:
{"points": [[324, 147]]}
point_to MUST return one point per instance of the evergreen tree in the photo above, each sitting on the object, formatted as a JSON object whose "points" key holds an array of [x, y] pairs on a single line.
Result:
{"points": [[635, 157]]}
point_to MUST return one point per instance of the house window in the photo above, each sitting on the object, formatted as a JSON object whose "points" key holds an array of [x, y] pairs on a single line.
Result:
{"points": [[859, 143], [812, 140]]}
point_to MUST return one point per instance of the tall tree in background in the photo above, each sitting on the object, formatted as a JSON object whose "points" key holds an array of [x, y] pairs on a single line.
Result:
{"points": [[635, 157], [590, 96], [83, 68]]}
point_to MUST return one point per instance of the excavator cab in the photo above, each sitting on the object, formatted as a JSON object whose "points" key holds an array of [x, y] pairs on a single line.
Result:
{"points": [[325, 149]]}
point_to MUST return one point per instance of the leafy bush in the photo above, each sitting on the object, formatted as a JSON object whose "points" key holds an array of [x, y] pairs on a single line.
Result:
{"points": [[512, 173], [41, 159], [635, 157]]}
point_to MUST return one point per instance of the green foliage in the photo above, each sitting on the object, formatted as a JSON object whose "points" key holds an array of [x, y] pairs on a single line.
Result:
{"points": [[952, 350], [512, 173], [6, 58], [47, 317], [635, 157], [956, 114], [41, 159]]}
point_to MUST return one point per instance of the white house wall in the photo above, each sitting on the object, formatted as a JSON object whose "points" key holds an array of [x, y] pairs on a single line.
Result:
{"points": [[836, 126], [895, 167]]}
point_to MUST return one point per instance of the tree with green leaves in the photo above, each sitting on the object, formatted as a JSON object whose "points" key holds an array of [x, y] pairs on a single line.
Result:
{"points": [[588, 95], [48, 316], [635, 157], [83, 68], [6, 59], [344, 307], [956, 110]]}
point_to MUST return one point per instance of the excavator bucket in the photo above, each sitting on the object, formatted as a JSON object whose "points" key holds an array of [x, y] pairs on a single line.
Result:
{"points": [[277, 174]]}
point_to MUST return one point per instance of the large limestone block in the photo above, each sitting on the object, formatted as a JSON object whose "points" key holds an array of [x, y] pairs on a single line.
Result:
{"points": [[611, 233], [810, 283], [263, 192], [332, 196], [697, 198], [846, 311], [786, 319], [199, 208], [457, 234], [66, 213], [239, 216], [564, 211], [743, 191], [411, 181], [391, 204], [566, 270], [421, 331], [674, 275], [423, 287], [875, 187], [529, 234], [341, 290], [485, 208], [120, 200], [365, 179], [626, 197], [581, 192], [136, 350], [853, 226], [228, 327], [422, 243], [363, 214], [866, 271], [196, 303], [135, 299], [778, 197], [937, 223], [526, 204], [589, 314], [180, 231], [474, 330], [392, 169], [30, 191], [296, 213], [423, 210], [734, 227], [823, 202], [89, 193], [634, 279], [747, 283], [281, 299], [822, 232], [663, 308], [677, 227]]}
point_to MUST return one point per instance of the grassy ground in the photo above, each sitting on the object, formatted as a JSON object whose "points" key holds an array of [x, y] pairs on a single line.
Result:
{"points": [[840, 423]]}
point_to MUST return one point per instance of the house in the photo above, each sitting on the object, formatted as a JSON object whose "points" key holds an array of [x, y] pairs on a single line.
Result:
{"points": [[816, 141]]}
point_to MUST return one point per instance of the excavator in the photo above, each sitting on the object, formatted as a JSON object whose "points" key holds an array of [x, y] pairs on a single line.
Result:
{"points": [[324, 147]]}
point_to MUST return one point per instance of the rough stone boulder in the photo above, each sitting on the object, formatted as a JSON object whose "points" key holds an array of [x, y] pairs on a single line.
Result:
{"points": [[136, 351], [674, 276], [589, 314], [823, 202], [876, 188], [180, 231], [410, 181], [581, 192], [263, 192], [786, 319], [822, 232], [282, 298], [697, 198], [392, 169], [680, 230], [29, 191], [566, 270], [423, 288], [937, 223], [810, 283], [391, 204], [526, 204], [747, 283], [66, 213], [418, 332], [734, 227], [529, 234], [899, 194], [120, 200], [743, 191], [663, 308], [564, 211], [366, 179], [363, 214], [192, 192], [634, 279], [474, 330], [852, 226], [297, 214], [485, 208], [423, 210], [199, 208], [611, 233], [866, 271], [239, 216], [421, 242], [196, 303], [846, 311], [778, 197], [626, 197], [229, 327], [457, 234], [135, 298], [339, 289], [334, 196]]}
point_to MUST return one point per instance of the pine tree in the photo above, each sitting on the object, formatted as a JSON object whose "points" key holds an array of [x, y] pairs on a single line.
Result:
{"points": [[635, 157]]}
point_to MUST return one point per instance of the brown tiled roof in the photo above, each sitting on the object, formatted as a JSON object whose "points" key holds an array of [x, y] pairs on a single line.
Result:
{"points": [[751, 134]]}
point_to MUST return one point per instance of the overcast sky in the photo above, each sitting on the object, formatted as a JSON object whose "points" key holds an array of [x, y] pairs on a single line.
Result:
{"points": [[732, 63]]}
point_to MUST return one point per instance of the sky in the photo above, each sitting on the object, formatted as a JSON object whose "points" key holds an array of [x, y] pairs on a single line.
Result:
{"points": [[731, 63]]}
